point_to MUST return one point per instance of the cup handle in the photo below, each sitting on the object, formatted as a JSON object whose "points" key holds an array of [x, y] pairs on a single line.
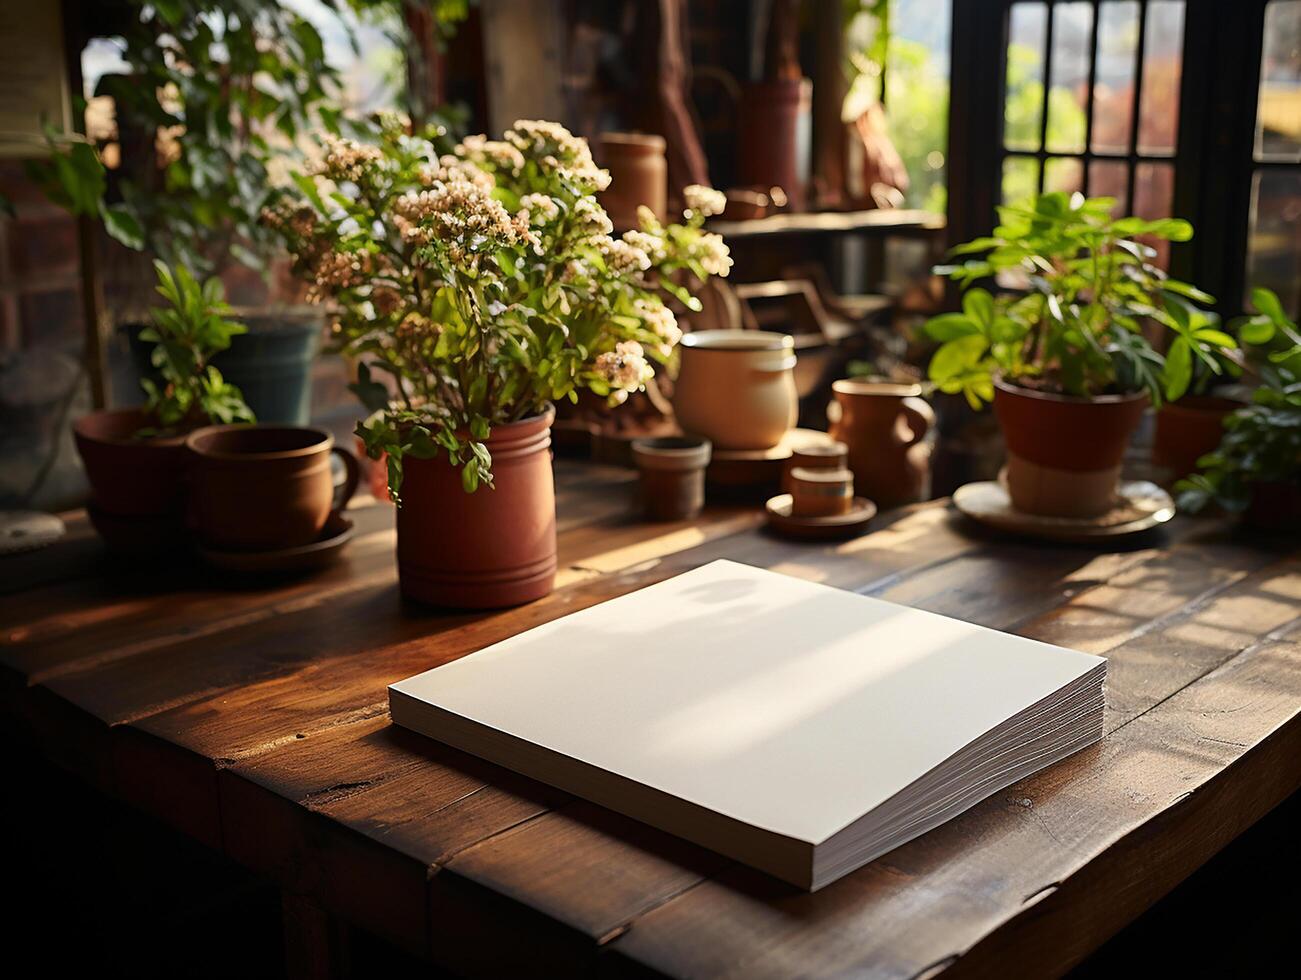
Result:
{"points": [[920, 418], [352, 476]]}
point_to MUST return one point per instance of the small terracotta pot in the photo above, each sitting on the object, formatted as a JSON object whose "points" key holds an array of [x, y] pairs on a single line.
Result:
{"points": [[264, 487], [1064, 454], [639, 174], [137, 485], [736, 388], [672, 475], [821, 492], [815, 456], [883, 425], [1275, 506], [1187, 430], [487, 549]]}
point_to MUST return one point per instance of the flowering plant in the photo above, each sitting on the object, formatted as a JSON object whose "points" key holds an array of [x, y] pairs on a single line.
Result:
{"points": [[484, 282]]}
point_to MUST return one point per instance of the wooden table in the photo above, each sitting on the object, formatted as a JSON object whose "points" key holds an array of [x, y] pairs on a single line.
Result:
{"points": [[256, 721]]}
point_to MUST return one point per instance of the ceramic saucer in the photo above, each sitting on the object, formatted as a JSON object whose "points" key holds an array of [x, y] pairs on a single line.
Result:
{"points": [[304, 558], [1140, 506], [27, 530], [846, 525]]}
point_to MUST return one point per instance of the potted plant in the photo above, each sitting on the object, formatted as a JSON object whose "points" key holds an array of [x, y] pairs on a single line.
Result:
{"points": [[483, 285], [135, 457], [1067, 360], [1256, 470]]}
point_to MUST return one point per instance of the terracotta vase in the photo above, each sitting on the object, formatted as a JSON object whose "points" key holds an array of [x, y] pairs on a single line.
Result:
{"points": [[639, 174], [1063, 453], [487, 549], [774, 118], [264, 487], [883, 425], [1187, 430], [137, 485], [736, 388], [672, 476]]}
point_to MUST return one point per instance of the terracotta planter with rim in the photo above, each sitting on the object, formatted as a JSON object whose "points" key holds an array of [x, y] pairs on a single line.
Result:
{"points": [[137, 485], [488, 549], [1063, 453], [736, 388], [1187, 430]]}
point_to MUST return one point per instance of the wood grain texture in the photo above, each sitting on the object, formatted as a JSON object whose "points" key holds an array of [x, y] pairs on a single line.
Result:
{"points": [[256, 720]]}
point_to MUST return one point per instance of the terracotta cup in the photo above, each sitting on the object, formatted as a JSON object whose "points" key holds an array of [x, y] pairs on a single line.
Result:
{"points": [[736, 388], [815, 456], [264, 487], [639, 175], [883, 424], [1064, 454], [821, 492], [131, 476], [672, 475]]}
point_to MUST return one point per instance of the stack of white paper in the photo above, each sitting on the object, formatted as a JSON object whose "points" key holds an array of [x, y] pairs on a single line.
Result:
{"points": [[795, 727]]}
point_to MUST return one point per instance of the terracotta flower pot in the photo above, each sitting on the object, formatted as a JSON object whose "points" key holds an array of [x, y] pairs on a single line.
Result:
{"points": [[487, 549], [639, 174], [736, 388], [883, 425], [135, 483], [264, 487], [774, 136], [1064, 454], [672, 475], [1187, 430]]}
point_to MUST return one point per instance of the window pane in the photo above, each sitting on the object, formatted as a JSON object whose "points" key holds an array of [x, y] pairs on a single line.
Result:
{"points": [[1023, 108], [1113, 89], [1068, 93], [1020, 178], [917, 94], [1063, 175], [1154, 185], [1162, 61], [1110, 179], [1274, 242], [1278, 118]]}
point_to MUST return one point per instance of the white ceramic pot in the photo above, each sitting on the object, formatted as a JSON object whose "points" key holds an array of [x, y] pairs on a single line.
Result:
{"points": [[736, 388]]}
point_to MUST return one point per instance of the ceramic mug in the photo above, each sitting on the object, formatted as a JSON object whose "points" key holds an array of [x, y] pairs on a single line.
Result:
{"points": [[264, 487]]}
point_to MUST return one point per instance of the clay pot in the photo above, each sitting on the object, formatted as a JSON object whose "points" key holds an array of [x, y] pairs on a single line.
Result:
{"points": [[821, 492], [736, 388], [672, 476], [487, 549], [883, 424], [1187, 430], [829, 455], [775, 136], [264, 487], [137, 485], [1063, 453], [639, 174]]}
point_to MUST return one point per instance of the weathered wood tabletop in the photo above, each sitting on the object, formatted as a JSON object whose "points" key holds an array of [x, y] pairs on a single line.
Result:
{"points": [[256, 721]]}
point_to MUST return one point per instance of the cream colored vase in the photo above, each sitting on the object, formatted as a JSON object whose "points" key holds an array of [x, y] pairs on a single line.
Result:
{"points": [[737, 387]]}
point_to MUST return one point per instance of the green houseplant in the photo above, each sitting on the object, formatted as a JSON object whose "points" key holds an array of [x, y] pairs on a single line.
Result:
{"points": [[477, 287], [1066, 359], [135, 457], [1256, 470]]}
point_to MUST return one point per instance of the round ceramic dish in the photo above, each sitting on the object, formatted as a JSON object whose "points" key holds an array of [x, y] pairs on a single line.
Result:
{"points": [[847, 525], [1141, 506], [325, 549]]}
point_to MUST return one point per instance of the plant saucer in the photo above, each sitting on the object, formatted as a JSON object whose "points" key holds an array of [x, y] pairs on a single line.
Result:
{"points": [[847, 525], [27, 530], [325, 549], [1140, 506]]}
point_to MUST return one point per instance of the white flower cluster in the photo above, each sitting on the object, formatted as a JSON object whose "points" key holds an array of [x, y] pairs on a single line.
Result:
{"points": [[624, 369], [558, 151], [497, 154], [450, 170], [460, 213], [652, 245], [589, 219], [539, 209], [660, 321], [704, 200], [712, 254], [347, 159], [623, 260]]}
